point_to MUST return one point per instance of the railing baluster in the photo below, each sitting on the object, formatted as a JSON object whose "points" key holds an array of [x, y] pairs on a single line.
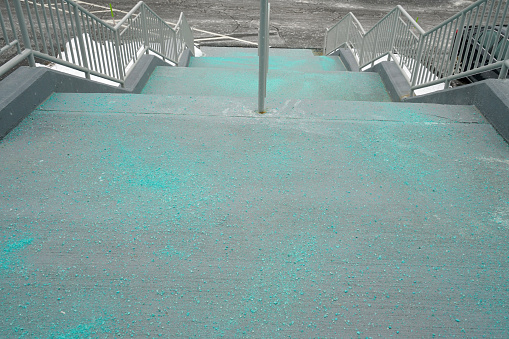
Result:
{"points": [[29, 15], [11, 20], [24, 31], [54, 28], [82, 43]]}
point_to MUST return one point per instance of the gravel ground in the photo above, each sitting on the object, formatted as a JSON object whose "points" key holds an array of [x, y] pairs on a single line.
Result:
{"points": [[294, 23]]}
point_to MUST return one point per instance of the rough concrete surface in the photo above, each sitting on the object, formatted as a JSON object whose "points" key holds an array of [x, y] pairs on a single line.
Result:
{"points": [[151, 216]]}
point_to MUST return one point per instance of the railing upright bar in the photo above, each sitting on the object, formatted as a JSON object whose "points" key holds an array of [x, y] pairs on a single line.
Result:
{"points": [[69, 36], [24, 31], [62, 34], [115, 53], [262, 75], [418, 66], [487, 35], [393, 37], [30, 20], [455, 49], [11, 21], [83, 54], [146, 43], [59, 48], [4, 29], [161, 38], [41, 30], [325, 51]]}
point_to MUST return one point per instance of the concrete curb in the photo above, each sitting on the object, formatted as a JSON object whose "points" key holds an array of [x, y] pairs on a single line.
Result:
{"points": [[347, 58], [393, 79], [491, 97], [26, 88]]}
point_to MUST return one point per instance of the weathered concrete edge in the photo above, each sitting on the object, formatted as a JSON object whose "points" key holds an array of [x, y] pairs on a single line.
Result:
{"points": [[491, 97], [395, 82], [347, 58], [26, 88], [185, 58]]}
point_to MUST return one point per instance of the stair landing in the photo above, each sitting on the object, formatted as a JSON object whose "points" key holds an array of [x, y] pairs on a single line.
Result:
{"points": [[194, 216]]}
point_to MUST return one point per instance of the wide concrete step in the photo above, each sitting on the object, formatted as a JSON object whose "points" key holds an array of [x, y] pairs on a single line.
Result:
{"points": [[292, 109], [239, 52], [313, 64], [347, 86], [165, 225]]}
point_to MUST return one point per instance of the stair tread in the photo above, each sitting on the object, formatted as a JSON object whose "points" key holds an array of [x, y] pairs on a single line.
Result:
{"points": [[280, 84], [306, 109], [249, 52], [275, 62]]}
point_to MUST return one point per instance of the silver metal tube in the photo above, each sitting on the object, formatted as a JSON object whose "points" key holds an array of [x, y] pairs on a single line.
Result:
{"points": [[144, 32], [41, 30], [455, 48], [262, 50], [24, 31], [4, 30], [503, 71], [29, 15], [82, 43], [14, 61], [11, 21]]}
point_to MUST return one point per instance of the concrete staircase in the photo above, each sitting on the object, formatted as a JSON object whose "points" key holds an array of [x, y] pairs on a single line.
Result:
{"points": [[183, 212]]}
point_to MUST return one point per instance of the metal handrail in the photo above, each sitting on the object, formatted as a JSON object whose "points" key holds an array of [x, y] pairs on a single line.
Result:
{"points": [[65, 33], [432, 57]]}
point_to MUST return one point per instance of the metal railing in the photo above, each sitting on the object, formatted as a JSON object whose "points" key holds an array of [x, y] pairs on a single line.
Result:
{"points": [[65, 33], [263, 54], [428, 58]]}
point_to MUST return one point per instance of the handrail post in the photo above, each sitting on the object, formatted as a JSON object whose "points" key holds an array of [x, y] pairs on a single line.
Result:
{"points": [[375, 46], [325, 42], [418, 66], [119, 57], [161, 39], [347, 32], [144, 32], [83, 53], [24, 31], [503, 70], [454, 52], [361, 53], [262, 55], [393, 37]]}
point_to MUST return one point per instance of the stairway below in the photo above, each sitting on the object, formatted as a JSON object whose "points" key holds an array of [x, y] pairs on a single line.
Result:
{"points": [[228, 82]]}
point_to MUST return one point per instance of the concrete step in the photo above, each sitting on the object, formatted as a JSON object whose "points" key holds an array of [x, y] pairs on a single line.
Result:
{"points": [[347, 86], [293, 109], [239, 52], [114, 216], [312, 64]]}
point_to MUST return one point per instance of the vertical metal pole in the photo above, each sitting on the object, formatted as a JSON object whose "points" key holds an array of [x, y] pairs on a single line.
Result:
{"points": [[393, 37], [262, 55], [503, 71], [120, 64], [83, 53], [144, 28], [454, 54], [24, 31], [418, 66], [325, 42]]}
